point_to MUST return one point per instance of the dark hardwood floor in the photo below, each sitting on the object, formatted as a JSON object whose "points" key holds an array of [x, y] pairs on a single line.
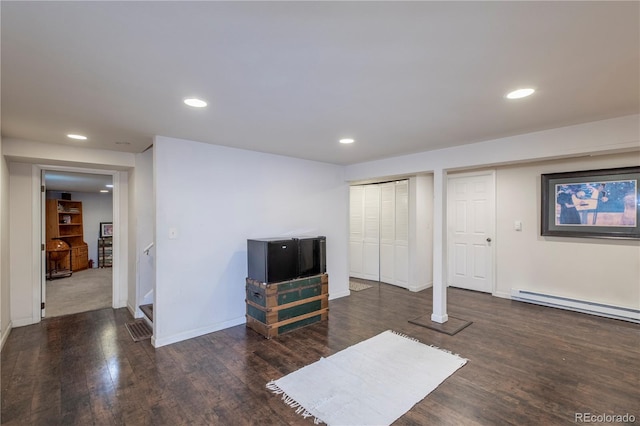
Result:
{"points": [[528, 365]]}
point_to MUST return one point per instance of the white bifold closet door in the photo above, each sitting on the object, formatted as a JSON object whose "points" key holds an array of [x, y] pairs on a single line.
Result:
{"points": [[364, 233], [379, 232], [394, 233]]}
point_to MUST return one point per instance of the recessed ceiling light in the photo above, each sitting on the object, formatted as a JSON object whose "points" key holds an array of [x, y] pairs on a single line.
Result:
{"points": [[78, 137], [346, 141], [109, 186], [195, 102], [104, 190], [520, 93]]}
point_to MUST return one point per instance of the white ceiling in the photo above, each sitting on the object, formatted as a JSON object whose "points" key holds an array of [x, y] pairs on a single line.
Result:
{"points": [[292, 78]]}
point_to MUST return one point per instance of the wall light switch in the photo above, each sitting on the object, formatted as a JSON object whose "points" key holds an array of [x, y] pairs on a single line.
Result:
{"points": [[173, 233], [517, 225]]}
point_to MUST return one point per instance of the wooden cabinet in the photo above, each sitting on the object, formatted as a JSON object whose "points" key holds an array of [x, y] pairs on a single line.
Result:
{"points": [[64, 221], [105, 252], [80, 256]]}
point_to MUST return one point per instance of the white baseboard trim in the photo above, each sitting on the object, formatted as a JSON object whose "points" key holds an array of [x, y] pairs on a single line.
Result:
{"points": [[5, 335], [190, 334], [421, 287], [440, 318], [339, 295], [136, 313], [24, 321], [593, 308], [502, 295]]}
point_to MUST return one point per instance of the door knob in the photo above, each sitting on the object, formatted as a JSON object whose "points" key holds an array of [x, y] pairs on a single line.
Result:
{"points": [[488, 239]]}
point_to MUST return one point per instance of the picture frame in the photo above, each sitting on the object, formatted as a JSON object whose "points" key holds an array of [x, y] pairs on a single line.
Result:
{"points": [[106, 229], [591, 203]]}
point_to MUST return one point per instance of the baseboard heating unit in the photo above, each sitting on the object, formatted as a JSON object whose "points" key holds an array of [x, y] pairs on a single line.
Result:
{"points": [[600, 309]]}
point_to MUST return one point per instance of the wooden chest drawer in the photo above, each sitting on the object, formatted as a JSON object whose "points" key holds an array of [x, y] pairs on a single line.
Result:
{"points": [[273, 309], [80, 256]]}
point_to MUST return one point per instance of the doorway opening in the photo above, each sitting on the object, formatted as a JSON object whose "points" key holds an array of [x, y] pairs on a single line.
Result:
{"points": [[77, 225]]}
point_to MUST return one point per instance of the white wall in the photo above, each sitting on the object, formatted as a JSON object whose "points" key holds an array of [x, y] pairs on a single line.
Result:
{"points": [[96, 208], [24, 151], [24, 277], [216, 198], [5, 305], [145, 228], [606, 136], [421, 232], [123, 247], [524, 259], [132, 246], [594, 270]]}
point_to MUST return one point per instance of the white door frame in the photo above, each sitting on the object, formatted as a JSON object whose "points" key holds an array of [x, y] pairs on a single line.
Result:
{"points": [[43, 238], [40, 238], [492, 220]]}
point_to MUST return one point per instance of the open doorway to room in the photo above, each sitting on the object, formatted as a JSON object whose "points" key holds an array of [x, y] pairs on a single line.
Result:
{"points": [[78, 224]]}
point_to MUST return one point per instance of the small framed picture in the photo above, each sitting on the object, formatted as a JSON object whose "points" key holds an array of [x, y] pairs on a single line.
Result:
{"points": [[592, 203], [106, 229]]}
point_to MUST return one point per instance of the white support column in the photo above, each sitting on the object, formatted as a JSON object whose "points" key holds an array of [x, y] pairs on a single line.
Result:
{"points": [[439, 247]]}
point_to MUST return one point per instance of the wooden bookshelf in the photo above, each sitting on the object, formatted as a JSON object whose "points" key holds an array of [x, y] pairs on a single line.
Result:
{"points": [[64, 221]]}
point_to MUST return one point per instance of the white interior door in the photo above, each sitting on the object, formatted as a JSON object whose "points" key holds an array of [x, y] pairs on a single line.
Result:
{"points": [[371, 237], [364, 232], [394, 233], [471, 229], [387, 232], [356, 231], [401, 238]]}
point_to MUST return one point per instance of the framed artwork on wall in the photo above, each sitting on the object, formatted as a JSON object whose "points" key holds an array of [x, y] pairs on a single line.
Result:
{"points": [[106, 229], [592, 203]]}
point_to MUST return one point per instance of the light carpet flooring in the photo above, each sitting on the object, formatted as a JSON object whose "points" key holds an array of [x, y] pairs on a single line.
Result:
{"points": [[83, 291]]}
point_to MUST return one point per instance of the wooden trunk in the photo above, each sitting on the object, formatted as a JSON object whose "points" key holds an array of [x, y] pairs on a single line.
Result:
{"points": [[273, 309]]}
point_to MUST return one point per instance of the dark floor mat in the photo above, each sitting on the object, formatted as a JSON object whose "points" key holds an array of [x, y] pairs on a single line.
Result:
{"points": [[451, 327]]}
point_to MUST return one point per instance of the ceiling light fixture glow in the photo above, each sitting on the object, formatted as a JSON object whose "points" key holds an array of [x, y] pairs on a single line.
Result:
{"points": [[78, 137], [195, 102], [104, 190], [109, 186], [346, 141], [520, 93]]}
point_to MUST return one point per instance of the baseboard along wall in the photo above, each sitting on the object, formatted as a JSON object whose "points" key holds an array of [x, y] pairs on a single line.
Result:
{"points": [[600, 309]]}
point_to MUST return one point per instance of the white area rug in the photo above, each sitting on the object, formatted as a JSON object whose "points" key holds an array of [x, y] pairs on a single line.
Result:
{"points": [[371, 383]]}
